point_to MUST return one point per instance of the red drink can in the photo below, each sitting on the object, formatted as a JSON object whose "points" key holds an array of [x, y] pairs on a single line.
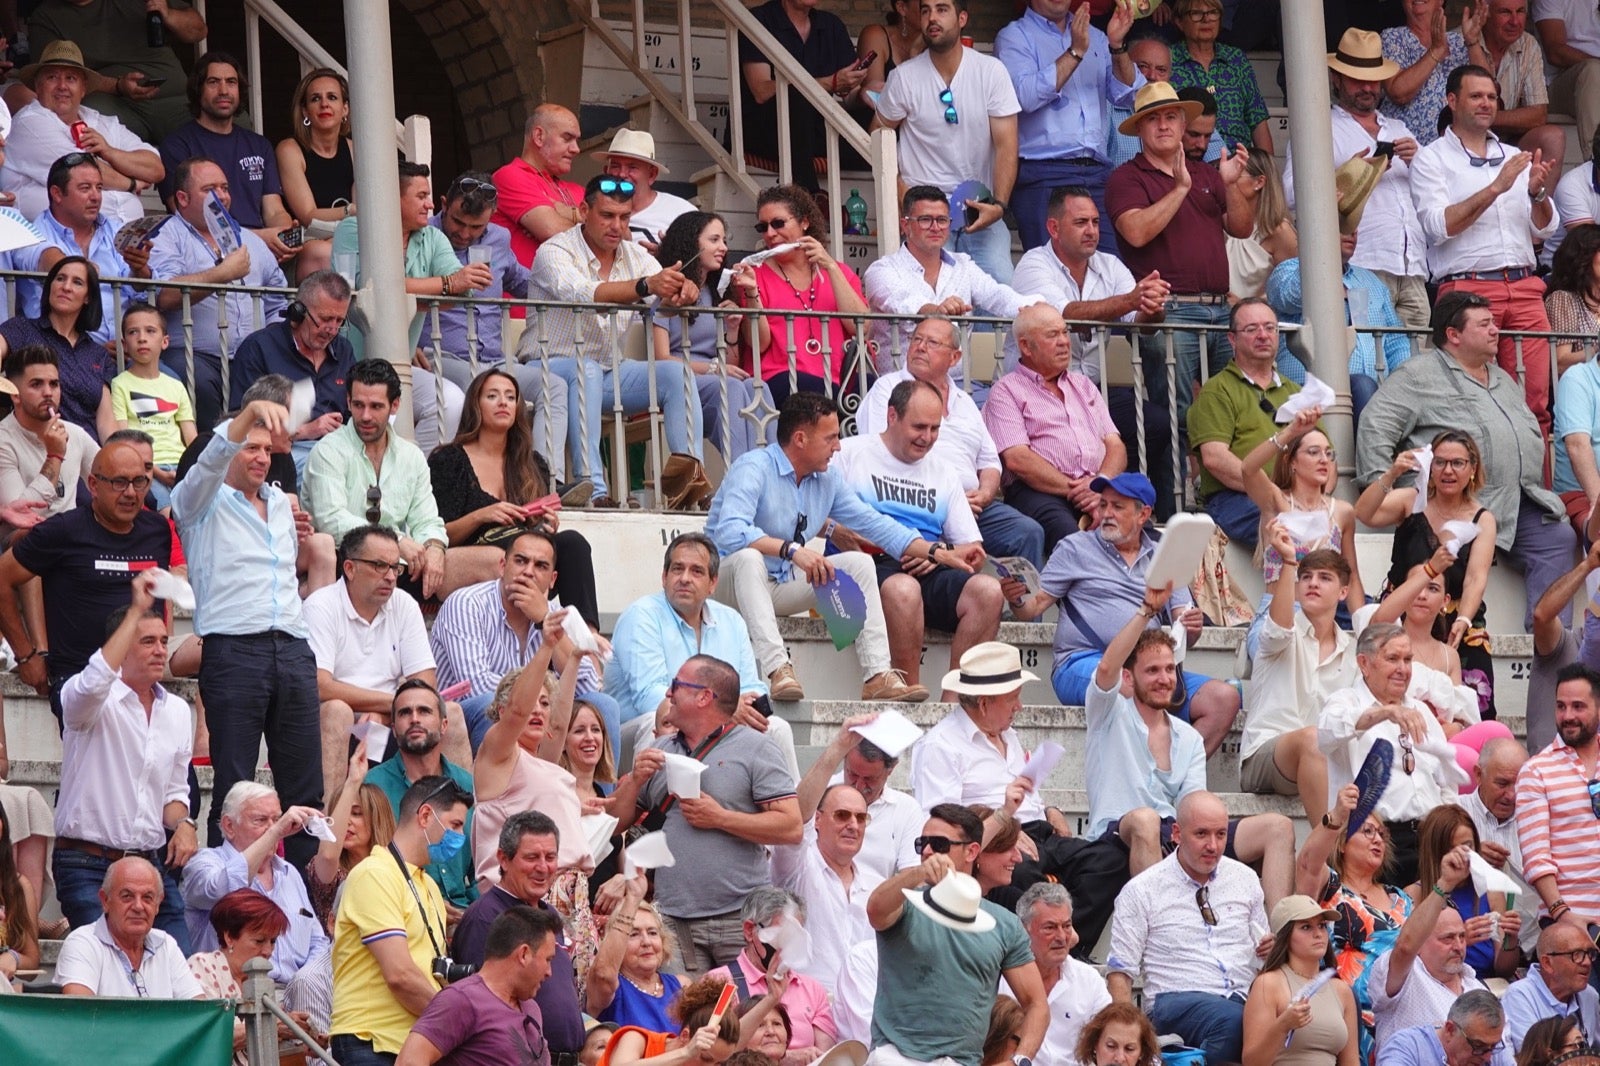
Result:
{"points": [[78, 130], [966, 42]]}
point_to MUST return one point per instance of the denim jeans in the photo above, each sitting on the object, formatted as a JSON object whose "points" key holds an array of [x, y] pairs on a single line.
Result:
{"points": [[1236, 514], [1071, 681], [588, 410], [1186, 356], [79, 876], [1214, 1024], [1007, 531], [351, 1050], [1038, 178], [989, 247], [729, 431]]}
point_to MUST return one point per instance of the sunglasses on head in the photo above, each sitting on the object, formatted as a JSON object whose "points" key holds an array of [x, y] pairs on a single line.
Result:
{"points": [[615, 186]]}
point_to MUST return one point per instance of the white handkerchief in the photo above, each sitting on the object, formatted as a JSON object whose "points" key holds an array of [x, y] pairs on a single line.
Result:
{"points": [[891, 731], [647, 853], [1424, 456], [1180, 641], [172, 588], [1313, 393], [1486, 878], [302, 397], [790, 938], [1307, 527], [376, 734], [597, 830], [320, 828], [1458, 534], [683, 776], [582, 636], [755, 259], [1445, 753], [1042, 761]]}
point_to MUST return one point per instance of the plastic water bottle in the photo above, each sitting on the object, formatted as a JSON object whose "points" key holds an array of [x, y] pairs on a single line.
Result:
{"points": [[855, 211]]}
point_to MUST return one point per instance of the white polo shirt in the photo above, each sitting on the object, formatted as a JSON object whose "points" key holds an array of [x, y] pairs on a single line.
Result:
{"points": [[1076, 997], [90, 957], [955, 763], [376, 655]]}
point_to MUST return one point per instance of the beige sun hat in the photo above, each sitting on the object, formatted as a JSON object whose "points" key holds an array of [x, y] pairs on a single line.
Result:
{"points": [[992, 668], [632, 144], [1153, 97], [1360, 55], [1353, 183]]}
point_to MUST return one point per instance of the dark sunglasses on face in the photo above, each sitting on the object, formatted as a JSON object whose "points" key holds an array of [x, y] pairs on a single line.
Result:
{"points": [[777, 223], [940, 845]]}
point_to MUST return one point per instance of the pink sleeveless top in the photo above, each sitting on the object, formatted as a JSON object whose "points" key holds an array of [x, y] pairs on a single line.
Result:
{"points": [[536, 785]]}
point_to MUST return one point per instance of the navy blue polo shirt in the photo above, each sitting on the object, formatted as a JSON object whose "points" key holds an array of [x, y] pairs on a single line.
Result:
{"points": [[272, 350]]}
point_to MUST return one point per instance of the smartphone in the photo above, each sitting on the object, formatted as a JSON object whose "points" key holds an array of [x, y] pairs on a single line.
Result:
{"points": [[153, 83], [1385, 149], [865, 61], [293, 237]]}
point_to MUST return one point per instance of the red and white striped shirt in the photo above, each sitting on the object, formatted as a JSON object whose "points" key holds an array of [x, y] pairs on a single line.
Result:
{"points": [[1557, 827]]}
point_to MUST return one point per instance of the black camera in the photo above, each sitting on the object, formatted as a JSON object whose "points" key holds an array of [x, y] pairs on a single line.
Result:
{"points": [[449, 971]]}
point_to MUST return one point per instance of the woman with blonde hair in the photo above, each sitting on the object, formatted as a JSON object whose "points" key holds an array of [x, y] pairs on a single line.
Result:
{"points": [[1251, 259], [362, 821], [315, 163], [629, 983], [692, 1040]]}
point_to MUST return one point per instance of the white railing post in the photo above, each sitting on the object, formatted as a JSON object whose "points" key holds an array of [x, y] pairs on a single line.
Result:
{"points": [[252, 58], [883, 156]]}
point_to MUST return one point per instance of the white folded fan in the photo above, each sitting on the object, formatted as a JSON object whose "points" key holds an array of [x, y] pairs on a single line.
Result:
{"points": [[1487, 879], [891, 732], [683, 776], [1178, 555], [1424, 456]]}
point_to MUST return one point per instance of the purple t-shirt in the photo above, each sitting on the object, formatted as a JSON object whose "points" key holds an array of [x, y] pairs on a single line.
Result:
{"points": [[246, 158], [474, 1027]]}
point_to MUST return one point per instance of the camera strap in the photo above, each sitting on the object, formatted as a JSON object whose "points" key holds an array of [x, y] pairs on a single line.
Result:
{"points": [[421, 907]]}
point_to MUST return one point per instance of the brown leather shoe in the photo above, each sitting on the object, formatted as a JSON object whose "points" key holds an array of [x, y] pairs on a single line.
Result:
{"points": [[891, 686], [683, 482], [782, 684]]}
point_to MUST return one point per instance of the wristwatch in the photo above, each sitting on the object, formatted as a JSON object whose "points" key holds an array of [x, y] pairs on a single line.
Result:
{"points": [[1329, 823], [641, 288]]}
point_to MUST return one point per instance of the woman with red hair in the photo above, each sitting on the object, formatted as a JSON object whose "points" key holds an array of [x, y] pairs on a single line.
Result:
{"points": [[248, 926]]}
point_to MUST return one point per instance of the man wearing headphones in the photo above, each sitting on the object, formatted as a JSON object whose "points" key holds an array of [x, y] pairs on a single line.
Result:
{"points": [[184, 249], [304, 345]]}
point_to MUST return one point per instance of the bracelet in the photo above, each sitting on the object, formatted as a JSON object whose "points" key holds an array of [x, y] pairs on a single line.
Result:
{"points": [[444, 285], [1558, 908], [1427, 568], [1278, 444], [1145, 611], [1441, 893], [34, 654], [1074, 55], [57, 458], [1117, 50]]}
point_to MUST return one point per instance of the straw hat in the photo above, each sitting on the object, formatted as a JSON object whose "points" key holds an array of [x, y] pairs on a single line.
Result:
{"points": [[992, 668], [1153, 97], [953, 903], [632, 144], [844, 1053], [56, 54], [1360, 55], [1353, 183]]}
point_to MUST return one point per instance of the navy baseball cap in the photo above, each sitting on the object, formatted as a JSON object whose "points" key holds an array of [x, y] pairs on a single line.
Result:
{"points": [[1133, 485]]}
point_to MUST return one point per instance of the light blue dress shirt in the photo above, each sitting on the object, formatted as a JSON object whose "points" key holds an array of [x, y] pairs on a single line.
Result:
{"points": [[1284, 294], [179, 249], [102, 253], [242, 569], [512, 280], [1529, 1000], [214, 872], [652, 640], [759, 498], [1073, 121]]}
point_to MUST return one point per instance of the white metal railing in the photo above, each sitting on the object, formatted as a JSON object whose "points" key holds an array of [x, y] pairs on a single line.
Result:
{"points": [[414, 136], [877, 148]]}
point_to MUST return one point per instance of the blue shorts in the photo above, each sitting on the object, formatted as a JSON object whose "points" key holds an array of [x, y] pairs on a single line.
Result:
{"points": [[1071, 681]]}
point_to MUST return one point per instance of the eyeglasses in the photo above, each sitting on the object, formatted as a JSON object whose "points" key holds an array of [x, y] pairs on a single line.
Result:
{"points": [[119, 485], [1372, 830], [929, 221], [940, 845], [1320, 453], [1579, 956], [1452, 464], [140, 989], [1408, 759], [1479, 1048], [861, 818], [374, 505], [948, 99], [1257, 329], [777, 223], [331, 322], [677, 683], [919, 341], [1208, 15], [1203, 899], [1486, 161], [380, 567], [614, 186]]}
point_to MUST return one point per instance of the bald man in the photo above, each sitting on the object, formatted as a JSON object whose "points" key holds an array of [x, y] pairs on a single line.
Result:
{"points": [[536, 201], [1493, 808], [87, 559], [122, 953]]}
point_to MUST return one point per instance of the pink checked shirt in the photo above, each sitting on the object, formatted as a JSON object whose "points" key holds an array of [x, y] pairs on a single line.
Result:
{"points": [[1556, 824], [1067, 431]]}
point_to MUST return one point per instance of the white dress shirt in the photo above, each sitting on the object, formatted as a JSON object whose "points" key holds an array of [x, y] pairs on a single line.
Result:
{"points": [[1076, 997], [896, 284], [1157, 929], [1442, 174], [566, 269], [836, 918], [964, 442], [1289, 679], [954, 762], [1041, 270], [90, 957], [1390, 238], [120, 768], [377, 655], [1408, 796], [1504, 833], [855, 991], [897, 820]]}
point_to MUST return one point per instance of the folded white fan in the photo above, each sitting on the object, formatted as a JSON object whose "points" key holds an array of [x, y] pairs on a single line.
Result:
{"points": [[1486, 878], [683, 776], [1424, 456], [891, 732], [1180, 641], [1313, 393], [597, 830], [172, 588], [649, 852]]}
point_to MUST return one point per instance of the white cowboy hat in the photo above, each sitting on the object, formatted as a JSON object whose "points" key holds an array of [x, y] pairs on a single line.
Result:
{"points": [[992, 668], [632, 144], [953, 903]]}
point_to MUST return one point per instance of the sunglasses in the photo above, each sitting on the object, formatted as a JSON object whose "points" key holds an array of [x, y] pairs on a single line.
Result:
{"points": [[940, 845], [676, 684], [1408, 757], [374, 505], [861, 818], [1594, 797], [77, 159], [1203, 899], [777, 223], [615, 186], [465, 185], [948, 99], [1486, 161]]}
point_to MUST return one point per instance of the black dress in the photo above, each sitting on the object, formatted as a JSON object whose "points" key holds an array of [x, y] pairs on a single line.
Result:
{"points": [[332, 181], [456, 488], [1414, 544]]}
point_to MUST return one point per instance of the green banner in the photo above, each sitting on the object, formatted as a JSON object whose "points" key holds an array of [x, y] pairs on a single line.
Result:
{"points": [[73, 1030]]}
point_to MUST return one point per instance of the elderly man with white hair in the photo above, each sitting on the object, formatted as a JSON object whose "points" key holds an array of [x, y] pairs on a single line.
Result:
{"points": [[1492, 805], [122, 953], [1075, 990], [252, 825]]}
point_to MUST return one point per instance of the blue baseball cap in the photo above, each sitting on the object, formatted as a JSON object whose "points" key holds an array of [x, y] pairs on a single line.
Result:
{"points": [[1133, 485]]}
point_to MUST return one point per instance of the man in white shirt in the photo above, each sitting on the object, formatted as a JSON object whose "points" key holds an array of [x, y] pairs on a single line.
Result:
{"points": [[632, 157], [1391, 242], [822, 870], [893, 473], [956, 110], [1304, 657], [1414, 982], [253, 823], [124, 771], [896, 816], [923, 277], [1074, 990], [933, 355], [1377, 707], [1570, 33], [1482, 205], [1189, 926], [1492, 805], [122, 953]]}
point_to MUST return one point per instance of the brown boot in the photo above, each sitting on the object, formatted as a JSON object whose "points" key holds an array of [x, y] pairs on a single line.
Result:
{"points": [[891, 686], [782, 684], [683, 482]]}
